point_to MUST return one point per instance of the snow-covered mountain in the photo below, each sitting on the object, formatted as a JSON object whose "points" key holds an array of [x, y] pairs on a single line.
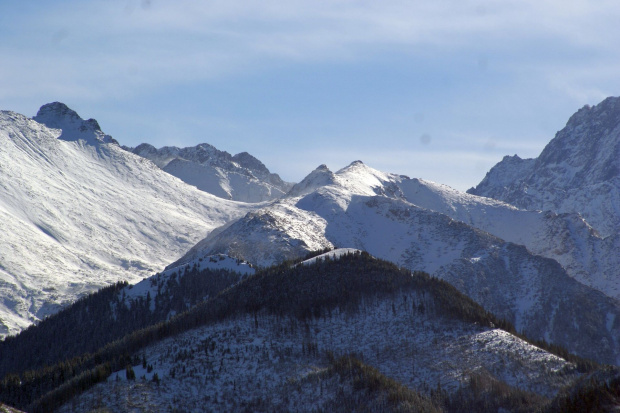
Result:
{"points": [[565, 237], [578, 171], [241, 177], [77, 212], [428, 227]]}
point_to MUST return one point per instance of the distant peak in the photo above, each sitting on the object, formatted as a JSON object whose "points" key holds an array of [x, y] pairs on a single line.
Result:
{"points": [[355, 166], [145, 147], [93, 124], [606, 111], [321, 170], [56, 110], [248, 161], [513, 158], [205, 147], [57, 115], [321, 176]]}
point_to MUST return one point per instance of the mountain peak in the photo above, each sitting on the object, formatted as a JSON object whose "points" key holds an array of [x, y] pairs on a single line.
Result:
{"points": [[57, 107], [250, 162], [321, 176], [57, 115], [578, 170], [586, 150], [354, 166], [605, 114]]}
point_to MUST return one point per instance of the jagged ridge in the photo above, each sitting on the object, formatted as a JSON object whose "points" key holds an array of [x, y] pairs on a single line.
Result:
{"points": [[578, 171], [241, 177]]}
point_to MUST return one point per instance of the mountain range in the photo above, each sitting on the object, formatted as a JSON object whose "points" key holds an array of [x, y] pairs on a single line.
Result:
{"points": [[241, 177], [535, 244], [363, 208]]}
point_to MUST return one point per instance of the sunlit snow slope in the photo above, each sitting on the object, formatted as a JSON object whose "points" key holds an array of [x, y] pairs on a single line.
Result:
{"points": [[431, 229], [77, 212], [241, 177]]}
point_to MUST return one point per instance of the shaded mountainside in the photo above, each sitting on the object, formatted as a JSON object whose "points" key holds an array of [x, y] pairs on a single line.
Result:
{"points": [[57, 115], [241, 177], [109, 314], [578, 171], [78, 213], [598, 391], [362, 208], [254, 346]]}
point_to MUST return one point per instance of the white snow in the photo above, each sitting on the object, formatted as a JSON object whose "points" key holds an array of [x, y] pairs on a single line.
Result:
{"points": [[78, 213], [334, 255], [241, 177]]}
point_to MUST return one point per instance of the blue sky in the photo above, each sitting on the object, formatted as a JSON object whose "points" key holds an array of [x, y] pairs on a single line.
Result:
{"points": [[439, 90]]}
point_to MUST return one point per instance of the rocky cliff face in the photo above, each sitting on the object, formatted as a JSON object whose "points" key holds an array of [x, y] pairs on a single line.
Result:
{"points": [[57, 115], [578, 171]]}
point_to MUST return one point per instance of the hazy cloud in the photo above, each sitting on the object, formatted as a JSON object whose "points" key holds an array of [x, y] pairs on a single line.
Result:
{"points": [[128, 45], [464, 78]]}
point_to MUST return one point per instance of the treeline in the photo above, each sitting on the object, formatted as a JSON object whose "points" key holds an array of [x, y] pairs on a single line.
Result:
{"points": [[300, 291], [60, 347], [485, 394], [371, 391], [597, 392], [374, 392], [86, 325], [107, 315]]}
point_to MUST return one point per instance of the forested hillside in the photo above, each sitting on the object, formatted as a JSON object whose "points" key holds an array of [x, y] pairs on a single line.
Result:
{"points": [[322, 293]]}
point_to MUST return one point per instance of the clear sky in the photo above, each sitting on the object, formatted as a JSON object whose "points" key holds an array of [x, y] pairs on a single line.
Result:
{"points": [[439, 90]]}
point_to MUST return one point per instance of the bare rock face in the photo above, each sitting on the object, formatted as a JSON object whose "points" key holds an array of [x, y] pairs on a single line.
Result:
{"points": [[578, 171], [57, 115]]}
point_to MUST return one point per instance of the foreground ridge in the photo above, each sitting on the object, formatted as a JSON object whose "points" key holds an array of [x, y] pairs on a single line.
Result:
{"points": [[292, 314]]}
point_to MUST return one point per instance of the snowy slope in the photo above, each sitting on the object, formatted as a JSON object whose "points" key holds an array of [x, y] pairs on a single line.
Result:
{"points": [[77, 212], [331, 255], [149, 286], [241, 177], [578, 171], [264, 362], [567, 238], [366, 209]]}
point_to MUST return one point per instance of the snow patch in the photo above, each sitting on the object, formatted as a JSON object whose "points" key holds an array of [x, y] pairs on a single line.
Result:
{"points": [[334, 255]]}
